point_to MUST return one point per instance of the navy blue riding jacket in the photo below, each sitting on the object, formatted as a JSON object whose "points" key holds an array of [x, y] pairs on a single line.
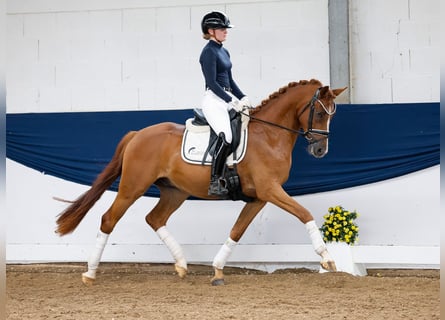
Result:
{"points": [[217, 69]]}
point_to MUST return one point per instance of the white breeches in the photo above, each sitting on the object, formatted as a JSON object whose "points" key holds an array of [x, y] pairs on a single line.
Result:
{"points": [[216, 111]]}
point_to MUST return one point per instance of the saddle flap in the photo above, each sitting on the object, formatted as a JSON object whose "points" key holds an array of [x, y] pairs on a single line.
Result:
{"points": [[195, 143], [197, 134]]}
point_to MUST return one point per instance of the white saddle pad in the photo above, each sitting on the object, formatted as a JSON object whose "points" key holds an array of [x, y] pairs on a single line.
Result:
{"points": [[196, 140]]}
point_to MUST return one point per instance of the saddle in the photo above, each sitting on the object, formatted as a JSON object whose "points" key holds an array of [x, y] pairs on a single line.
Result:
{"points": [[199, 142]]}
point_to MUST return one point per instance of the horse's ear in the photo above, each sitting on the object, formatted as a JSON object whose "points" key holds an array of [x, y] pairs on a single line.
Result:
{"points": [[337, 92], [324, 90]]}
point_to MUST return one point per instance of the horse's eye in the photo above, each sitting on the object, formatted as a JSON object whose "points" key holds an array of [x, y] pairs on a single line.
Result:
{"points": [[320, 114]]}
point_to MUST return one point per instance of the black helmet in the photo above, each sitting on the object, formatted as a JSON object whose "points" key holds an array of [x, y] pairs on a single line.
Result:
{"points": [[215, 20]]}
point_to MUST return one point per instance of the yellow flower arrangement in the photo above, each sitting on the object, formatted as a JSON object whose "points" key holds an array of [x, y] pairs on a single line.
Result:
{"points": [[339, 226]]}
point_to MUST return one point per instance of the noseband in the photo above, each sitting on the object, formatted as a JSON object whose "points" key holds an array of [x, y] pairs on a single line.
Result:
{"points": [[308, 134]]}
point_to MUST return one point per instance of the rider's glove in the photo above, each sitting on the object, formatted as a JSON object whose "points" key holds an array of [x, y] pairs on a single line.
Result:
{"points": [[236, 105], [246, 103]]}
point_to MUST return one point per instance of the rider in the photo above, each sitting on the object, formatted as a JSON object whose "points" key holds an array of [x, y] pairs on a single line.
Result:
{"points": [[221, 95]]}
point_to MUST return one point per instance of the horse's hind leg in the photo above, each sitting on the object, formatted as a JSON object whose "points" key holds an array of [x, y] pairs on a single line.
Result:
{"points": [[246, 216], [170, 200], [120, 205]]}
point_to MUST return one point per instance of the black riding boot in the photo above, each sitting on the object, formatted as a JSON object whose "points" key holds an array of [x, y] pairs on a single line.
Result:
{"points": [[217, 182]]}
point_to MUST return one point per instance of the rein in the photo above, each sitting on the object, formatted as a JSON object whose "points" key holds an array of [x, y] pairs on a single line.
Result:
{"points": [[273, 124], [306, 134]]}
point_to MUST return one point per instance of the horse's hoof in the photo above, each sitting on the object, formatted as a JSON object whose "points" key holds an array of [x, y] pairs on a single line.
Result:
{"points": [[328, 265], [217, 282], [182, 272], [87, 280]]}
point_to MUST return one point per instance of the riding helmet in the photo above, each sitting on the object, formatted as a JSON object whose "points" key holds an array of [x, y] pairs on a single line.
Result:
{"points": [[215, 20]]}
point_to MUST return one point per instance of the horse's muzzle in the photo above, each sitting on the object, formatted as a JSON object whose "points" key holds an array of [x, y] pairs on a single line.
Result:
{"points": [[318, 148]]}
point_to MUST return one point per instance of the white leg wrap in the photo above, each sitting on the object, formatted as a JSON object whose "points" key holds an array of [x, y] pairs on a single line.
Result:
{"points": [[223, 254], [173, 246], [317, 240], [94, 259]]}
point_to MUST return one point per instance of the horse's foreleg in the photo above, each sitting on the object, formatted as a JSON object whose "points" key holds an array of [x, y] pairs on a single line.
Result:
{"points": [[170, 199], [319, 245], [276, 195], [246, 216]]}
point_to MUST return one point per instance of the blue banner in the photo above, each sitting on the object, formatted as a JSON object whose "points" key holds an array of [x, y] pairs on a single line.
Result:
{"points": [[368, 143]]}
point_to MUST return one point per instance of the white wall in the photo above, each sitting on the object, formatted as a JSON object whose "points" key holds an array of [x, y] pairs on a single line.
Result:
{"points": [[397, 225], [102, 55], [394, 49], [83, 55]]}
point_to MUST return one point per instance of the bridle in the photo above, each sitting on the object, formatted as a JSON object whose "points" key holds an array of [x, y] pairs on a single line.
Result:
{"points": [[310, 131], [308, 134]]}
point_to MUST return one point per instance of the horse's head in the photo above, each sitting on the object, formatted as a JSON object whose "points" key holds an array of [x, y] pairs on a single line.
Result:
{"points": [[315, 118]]}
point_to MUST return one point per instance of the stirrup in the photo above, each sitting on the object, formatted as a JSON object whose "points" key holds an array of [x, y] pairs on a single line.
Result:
{"points": [[216, 188]]}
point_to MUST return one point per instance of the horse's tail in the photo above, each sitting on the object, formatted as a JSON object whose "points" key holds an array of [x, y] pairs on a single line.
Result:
{"points": [[69, 219]]}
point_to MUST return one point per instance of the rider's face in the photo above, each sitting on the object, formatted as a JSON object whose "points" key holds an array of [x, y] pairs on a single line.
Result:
{"points": [[219, 34]]}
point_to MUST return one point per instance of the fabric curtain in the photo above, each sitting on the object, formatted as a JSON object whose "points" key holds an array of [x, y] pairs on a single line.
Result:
{"points": [[368, 143]]}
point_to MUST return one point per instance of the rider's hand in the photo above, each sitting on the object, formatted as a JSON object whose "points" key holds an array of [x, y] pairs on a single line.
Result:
{"points": [[246, 103], [236, 105]]}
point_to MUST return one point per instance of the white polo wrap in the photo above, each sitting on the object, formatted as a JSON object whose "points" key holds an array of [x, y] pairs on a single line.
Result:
{"points": [[223, 254], [173, 246], [94, 259], [317, 240]]}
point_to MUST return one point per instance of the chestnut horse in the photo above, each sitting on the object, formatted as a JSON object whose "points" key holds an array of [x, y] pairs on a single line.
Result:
{"points": [[152, 156]]}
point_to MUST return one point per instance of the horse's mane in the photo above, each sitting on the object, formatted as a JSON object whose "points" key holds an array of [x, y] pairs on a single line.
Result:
{"points": [[282, 90]]}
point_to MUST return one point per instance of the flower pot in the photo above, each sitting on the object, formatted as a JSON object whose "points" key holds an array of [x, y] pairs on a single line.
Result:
{"points": [[344, 259]]}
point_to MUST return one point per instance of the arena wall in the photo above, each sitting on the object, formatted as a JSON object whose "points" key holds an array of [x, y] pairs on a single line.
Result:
{"points": [[70, 56]]}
